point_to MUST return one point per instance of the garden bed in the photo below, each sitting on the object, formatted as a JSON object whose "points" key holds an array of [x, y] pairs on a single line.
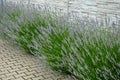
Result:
{"points": [[85, 48]]}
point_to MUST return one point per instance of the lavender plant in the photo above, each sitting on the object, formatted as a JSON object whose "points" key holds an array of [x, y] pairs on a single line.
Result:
{"points": [[84, 49]]}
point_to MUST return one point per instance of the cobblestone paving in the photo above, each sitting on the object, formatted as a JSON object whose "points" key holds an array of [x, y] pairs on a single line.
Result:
{"points": [[15, 64]]}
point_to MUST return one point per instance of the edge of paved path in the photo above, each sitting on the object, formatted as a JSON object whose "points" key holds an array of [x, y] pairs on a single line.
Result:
{"points": [[16, 64]]}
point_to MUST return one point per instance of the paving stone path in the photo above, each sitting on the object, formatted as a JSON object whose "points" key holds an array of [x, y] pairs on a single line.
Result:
{"points": [[16, 64]]}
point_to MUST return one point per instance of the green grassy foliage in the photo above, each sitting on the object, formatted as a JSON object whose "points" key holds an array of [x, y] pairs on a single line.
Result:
{"points": [[89, 53]]}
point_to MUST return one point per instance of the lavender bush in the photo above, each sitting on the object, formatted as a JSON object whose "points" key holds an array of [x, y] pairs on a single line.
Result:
{"points": [[85, 49]]}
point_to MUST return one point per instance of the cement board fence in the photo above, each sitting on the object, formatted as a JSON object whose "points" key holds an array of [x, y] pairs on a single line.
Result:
{"points": [[102, 10]]}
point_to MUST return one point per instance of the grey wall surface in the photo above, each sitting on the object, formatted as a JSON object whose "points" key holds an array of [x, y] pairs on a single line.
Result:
{"points": [[82, 6], [1, 3], [90, 8]]}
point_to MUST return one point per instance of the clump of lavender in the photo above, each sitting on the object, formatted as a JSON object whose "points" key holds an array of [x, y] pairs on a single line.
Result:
{"points": [[83, 48]]}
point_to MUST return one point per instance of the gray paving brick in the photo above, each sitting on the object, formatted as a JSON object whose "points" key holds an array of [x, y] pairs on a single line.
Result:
{"points": [[19, 65]]}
